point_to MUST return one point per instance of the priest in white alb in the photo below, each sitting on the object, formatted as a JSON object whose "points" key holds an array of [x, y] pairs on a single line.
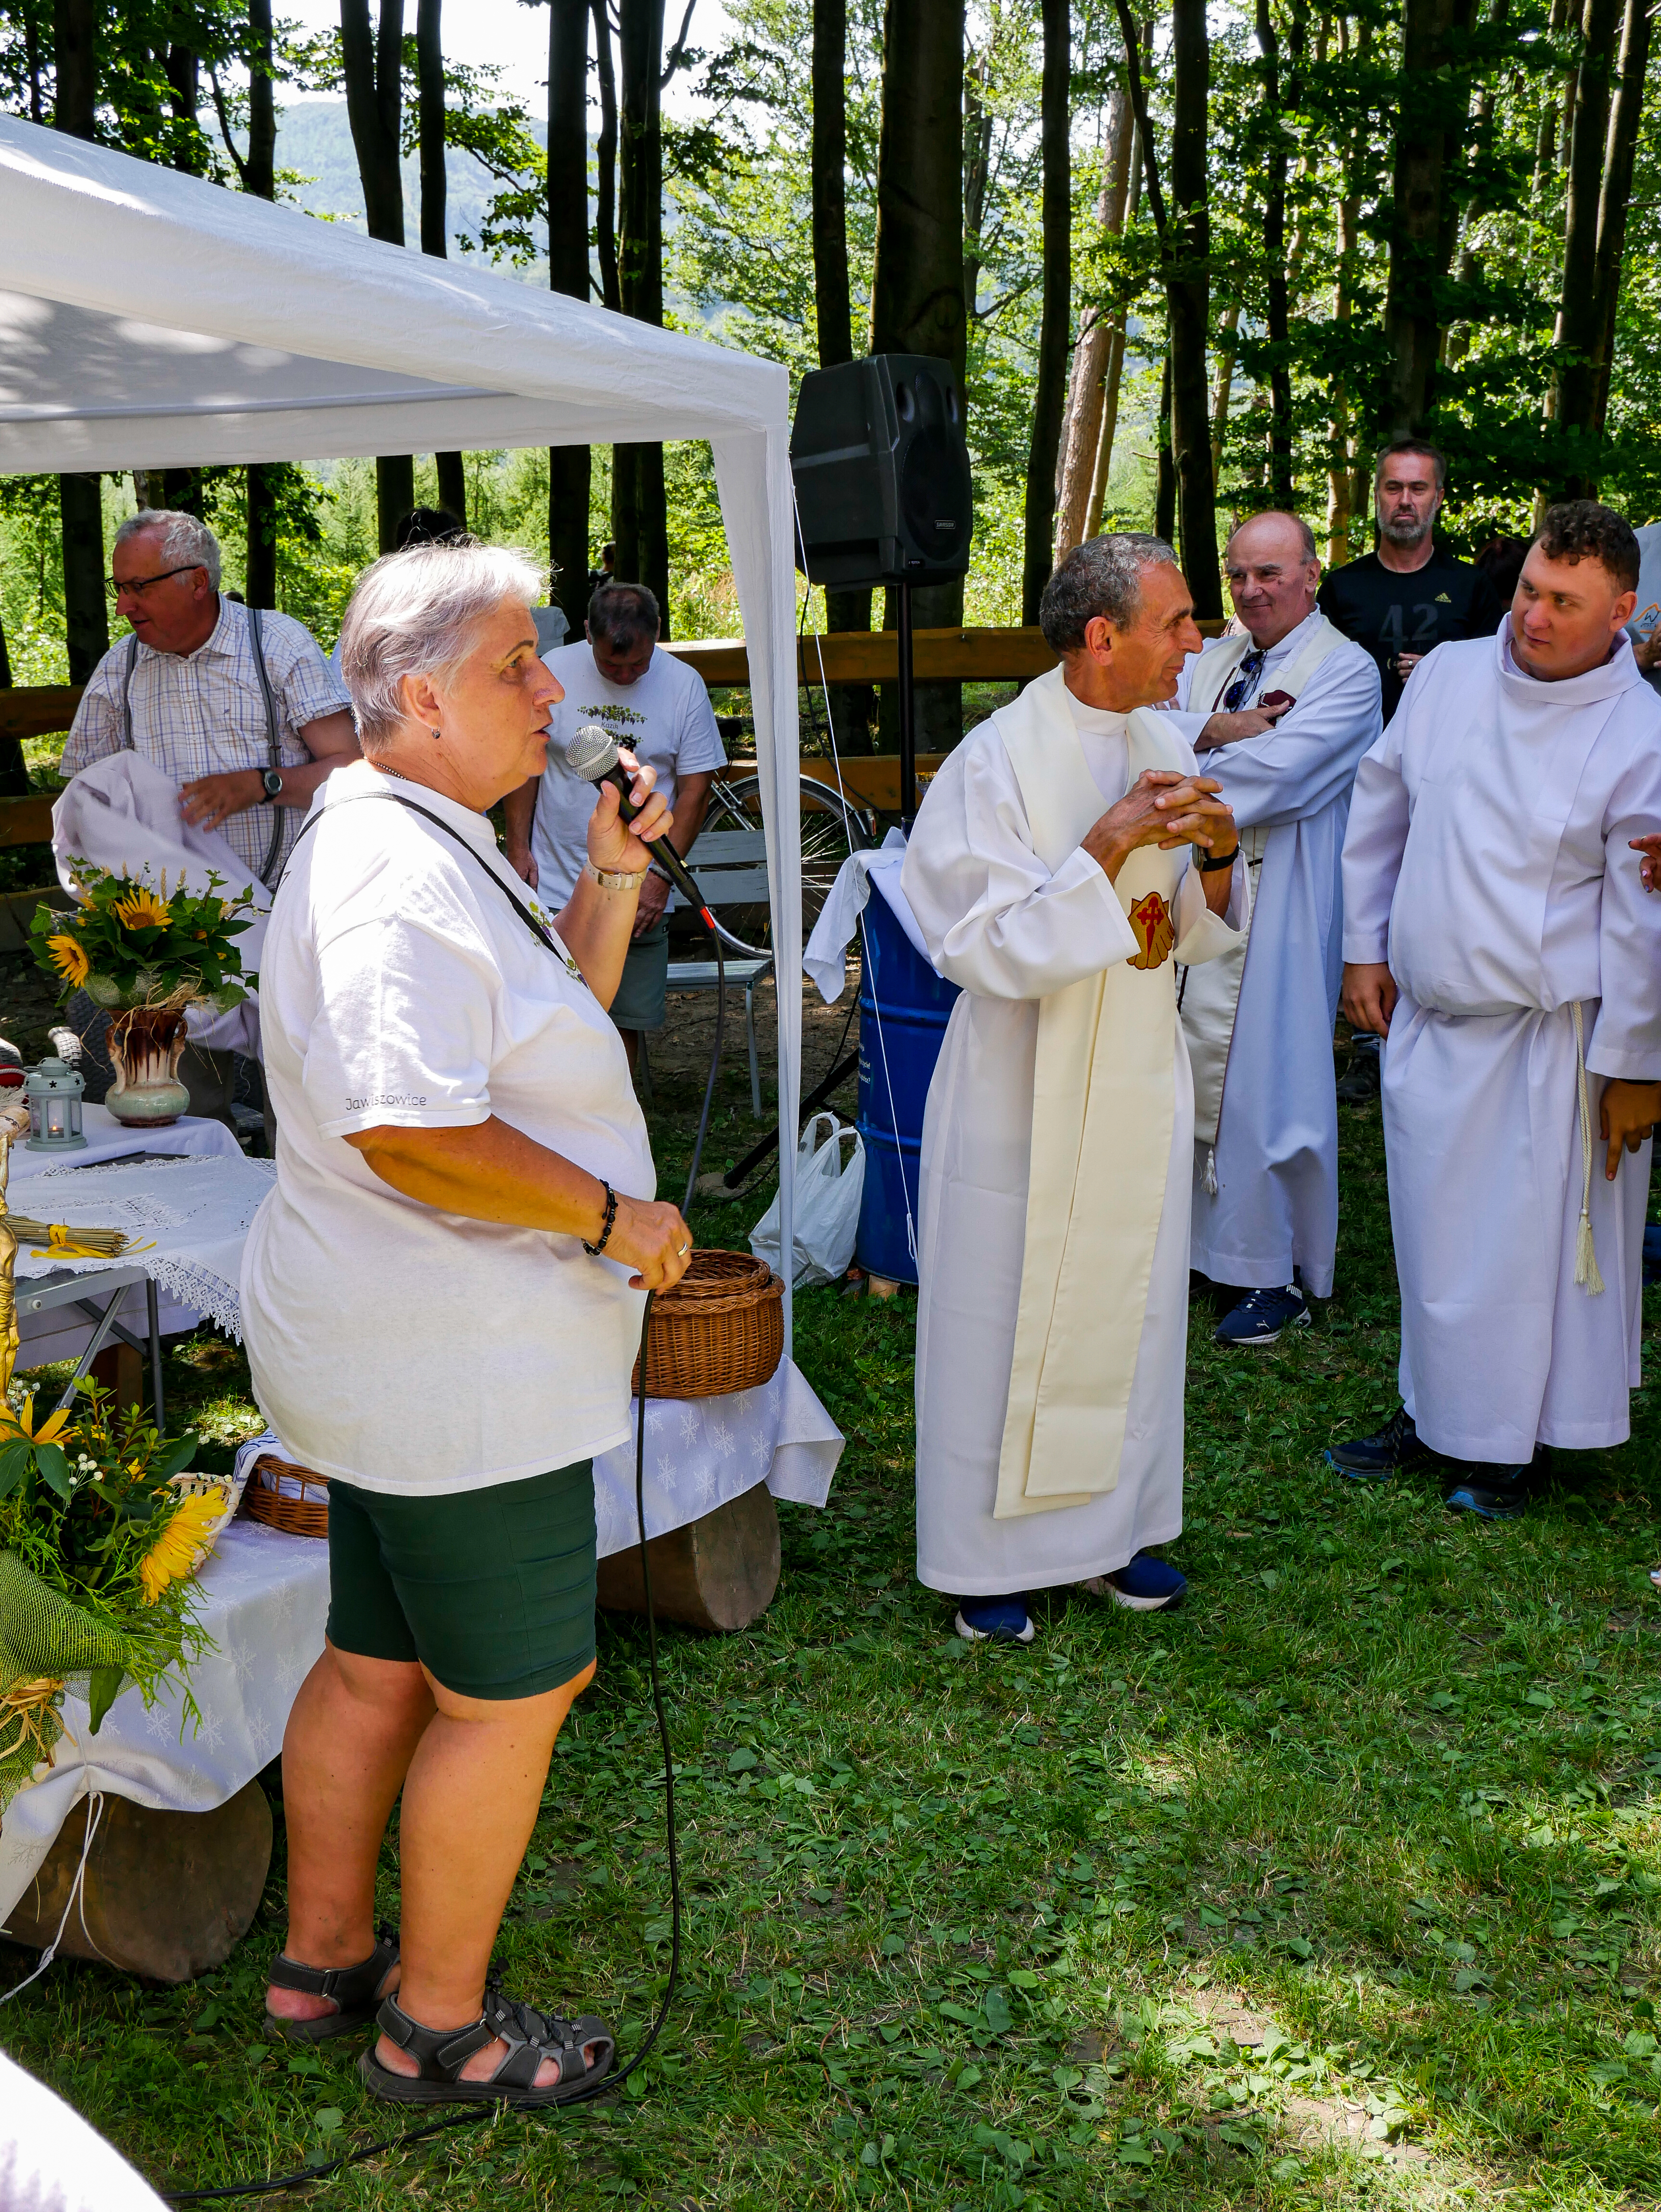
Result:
{"points": [[1067, 857], [1280, 716], [1497, 935]]}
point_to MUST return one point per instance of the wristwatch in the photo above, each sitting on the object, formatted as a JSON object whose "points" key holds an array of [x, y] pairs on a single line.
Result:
{"points": [[271, 778]]}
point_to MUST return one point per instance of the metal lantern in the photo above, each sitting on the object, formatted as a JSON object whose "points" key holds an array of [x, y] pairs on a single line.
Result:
{"points": [[54, 1095]]}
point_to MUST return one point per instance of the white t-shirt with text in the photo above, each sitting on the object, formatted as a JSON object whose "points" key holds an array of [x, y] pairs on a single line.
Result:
{"points": [[393, 1346], [664, 718]]}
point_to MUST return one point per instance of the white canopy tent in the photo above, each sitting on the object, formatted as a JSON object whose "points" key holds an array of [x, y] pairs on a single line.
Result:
{"points": [[149, 319]]}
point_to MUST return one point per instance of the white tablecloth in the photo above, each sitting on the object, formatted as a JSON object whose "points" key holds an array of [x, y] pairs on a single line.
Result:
{"points": [[704, 1452], [193, 1213], [700, 1453], [265, 1597], [110, 1139]]}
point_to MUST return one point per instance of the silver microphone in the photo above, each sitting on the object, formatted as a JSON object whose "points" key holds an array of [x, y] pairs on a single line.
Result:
{"points": [[591, 752]]}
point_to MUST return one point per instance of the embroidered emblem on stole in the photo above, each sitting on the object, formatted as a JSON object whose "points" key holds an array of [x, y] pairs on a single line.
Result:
{"points": [[1155, 933]]}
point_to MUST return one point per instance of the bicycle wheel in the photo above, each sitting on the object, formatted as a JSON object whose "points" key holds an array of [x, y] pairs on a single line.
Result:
{"points": [[830, 832]]}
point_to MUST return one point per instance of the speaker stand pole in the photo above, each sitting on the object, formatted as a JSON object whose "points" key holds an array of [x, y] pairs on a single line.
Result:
{"points": [[907, 718]]}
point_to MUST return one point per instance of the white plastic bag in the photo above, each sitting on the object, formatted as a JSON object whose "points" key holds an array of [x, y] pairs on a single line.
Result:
{"points": [[828, 1191]]}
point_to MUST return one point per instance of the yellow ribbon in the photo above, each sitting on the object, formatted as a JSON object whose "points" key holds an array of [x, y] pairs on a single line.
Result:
{"points": [[62, 1248]]}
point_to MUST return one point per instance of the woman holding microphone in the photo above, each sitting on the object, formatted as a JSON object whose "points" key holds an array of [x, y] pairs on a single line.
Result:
{"points": [[442, 1299]]}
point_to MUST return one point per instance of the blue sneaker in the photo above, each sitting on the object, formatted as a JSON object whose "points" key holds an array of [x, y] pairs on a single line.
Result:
{"points": [[1146, 1584], [1493, 1493], [1653, 1255], [995, 1620], [1263, 1317]]}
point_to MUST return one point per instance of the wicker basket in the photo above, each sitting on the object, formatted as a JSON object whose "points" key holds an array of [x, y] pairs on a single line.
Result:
{"points": [[304, 1515], [720, 1329]]}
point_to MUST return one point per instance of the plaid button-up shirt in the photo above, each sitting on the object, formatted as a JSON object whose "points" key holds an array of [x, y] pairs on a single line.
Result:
{"points": [[204, 714]]}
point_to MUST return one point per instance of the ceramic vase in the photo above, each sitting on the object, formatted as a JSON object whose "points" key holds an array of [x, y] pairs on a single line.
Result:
{"points": [[145, 1046]]}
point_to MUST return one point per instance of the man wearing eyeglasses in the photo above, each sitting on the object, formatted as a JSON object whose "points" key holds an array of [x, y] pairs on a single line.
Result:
{"points": [[238, 708]]}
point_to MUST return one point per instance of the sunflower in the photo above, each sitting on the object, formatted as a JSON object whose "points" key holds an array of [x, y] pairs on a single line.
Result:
{"points": [[141, 909], [12, 1425], [68, 957], [181, 1543]]}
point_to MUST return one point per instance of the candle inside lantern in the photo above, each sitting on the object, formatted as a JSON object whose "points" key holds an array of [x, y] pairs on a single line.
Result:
{"points": [[54, 1095]]}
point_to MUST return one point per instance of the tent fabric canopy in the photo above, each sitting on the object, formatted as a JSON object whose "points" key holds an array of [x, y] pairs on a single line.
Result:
{"points": [[150, 319]]}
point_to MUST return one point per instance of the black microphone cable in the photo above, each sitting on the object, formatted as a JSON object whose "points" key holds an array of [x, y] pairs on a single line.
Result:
{"points": [[470, 2115]]}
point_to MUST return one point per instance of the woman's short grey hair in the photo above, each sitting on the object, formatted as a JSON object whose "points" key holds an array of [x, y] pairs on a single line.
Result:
{"points": [[1103, 576], [419, 613], [185, 542]]}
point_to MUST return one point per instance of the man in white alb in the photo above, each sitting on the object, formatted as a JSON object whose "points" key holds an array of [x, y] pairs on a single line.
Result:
{"points": [[1497, 935], [1281, 716], [1066, 856]]}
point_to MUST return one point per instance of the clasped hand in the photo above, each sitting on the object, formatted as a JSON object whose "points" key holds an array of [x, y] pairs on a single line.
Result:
{"points": [[624, 847], [1163, 807]]}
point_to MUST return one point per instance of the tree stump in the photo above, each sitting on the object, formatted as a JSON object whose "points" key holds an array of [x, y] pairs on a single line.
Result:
{"points": [[167, 1895], [719, 1572]]}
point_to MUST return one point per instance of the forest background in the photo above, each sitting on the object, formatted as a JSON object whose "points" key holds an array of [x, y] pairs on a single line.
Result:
{"points": [[1188, 261]]}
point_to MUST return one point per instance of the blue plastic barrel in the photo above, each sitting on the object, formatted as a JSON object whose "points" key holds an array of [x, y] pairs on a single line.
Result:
{"points": [[903, 1009]]}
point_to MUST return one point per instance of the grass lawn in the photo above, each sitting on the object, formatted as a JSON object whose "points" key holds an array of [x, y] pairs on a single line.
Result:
{"points": [[1341, 1887]]}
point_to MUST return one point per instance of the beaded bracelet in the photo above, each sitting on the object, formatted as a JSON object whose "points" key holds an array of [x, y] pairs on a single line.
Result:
{"points": [[594, 1250]]}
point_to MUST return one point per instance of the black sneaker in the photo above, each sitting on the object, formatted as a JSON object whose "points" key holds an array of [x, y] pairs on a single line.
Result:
{"points": [[1493, 1493], [1361, 1081], [1262, 1318], [1396, 1449]]}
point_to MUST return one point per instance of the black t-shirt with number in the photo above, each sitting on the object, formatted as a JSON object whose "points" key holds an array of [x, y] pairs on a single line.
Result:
{"points": [[1387, 612]]}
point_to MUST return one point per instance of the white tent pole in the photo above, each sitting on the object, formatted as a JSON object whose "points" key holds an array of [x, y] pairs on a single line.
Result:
{"points": [[752, 474]]}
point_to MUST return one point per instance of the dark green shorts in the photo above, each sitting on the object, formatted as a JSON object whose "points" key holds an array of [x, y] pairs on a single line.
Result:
{"points": [[642, 994], [493, 1590]]}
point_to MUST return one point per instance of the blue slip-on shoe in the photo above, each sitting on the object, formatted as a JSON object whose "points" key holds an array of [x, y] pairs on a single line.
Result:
{"points": [[1652, 1254], [995, 1620], [1493, 1493], [1395, 1449], [1146, 1584], [1263, 1317]]}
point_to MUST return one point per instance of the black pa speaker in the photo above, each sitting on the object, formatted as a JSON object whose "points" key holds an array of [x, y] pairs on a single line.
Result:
{"points": [[883, 489]]}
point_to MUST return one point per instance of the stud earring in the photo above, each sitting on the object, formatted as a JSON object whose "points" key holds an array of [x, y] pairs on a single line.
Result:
{"points": [[435, 733]]}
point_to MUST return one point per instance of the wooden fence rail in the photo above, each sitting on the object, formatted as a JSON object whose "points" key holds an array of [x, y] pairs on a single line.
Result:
{"points": [[942, 656]]}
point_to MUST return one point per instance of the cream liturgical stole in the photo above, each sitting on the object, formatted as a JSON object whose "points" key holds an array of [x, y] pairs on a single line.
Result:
{"points": [[1104, 1101], [1209, 997]]}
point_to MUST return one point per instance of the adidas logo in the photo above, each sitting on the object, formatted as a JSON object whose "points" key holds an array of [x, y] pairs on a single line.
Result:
{"points": [[1443, 600]]}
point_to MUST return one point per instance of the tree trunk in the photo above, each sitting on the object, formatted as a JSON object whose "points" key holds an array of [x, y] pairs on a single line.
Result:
{"points": [[571, 468], [33, 62], [1277, 318], [372, 61], [1092, 356], [1435, 96], [75, 47], [1340, 427], [1187, 291], [852, 705], [258, 174], [1580, 312], [259, 170], [1104, 467], [1223, 389], [80, 498], [976, 175], [435, 199], [1049, 391], [832, 309], [605, 162], [86, 609], [1618, 163], [640, 522], [260, 570], [1165, 480], [917, 291]]}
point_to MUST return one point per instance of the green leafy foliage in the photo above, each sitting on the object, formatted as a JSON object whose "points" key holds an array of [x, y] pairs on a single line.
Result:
{"points": [[130, 944]]}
